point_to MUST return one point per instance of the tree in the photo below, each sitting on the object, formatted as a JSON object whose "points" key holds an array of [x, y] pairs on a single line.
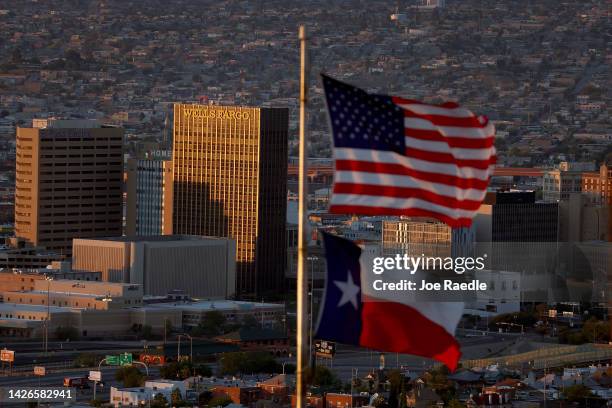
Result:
{"points": [[322, 377], [86, 360], [595, 330], [378, 402], [159, 401], [98, 402], [176, 397], [204, 397], [183, 369], [130, 376], [438, 380], [396, 386], [578, 393], [248, 363], [220, 401], [403, 403]]}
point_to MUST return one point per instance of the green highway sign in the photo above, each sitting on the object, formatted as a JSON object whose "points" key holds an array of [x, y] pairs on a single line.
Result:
{"points": [[121, 359], [125, 359]]}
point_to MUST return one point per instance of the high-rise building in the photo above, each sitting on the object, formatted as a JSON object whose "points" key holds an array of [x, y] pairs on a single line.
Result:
{"points": [[149, 196], [515, 216], [230, 180], [68, 182]]}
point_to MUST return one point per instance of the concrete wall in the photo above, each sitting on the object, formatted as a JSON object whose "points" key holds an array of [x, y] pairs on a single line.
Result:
{"points": [[204, 268], [111, 258]]}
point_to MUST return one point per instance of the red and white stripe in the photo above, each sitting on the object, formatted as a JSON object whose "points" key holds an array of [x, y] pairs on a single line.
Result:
{"points": [[390, 318], [444, 172]]}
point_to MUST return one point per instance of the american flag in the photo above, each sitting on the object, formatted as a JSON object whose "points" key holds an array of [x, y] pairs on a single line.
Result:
{"points": [[397, 156]]}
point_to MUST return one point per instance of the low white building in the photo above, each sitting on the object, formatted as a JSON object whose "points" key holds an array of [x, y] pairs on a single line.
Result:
{"points": [[134, 396], [503, 294], [137, 396]]}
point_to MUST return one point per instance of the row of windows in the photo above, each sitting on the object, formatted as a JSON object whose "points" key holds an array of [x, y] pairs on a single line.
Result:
{"points": [[77, 156], [21, 317], [57, 231], [50, 139], [91, 188], [71, 205]]}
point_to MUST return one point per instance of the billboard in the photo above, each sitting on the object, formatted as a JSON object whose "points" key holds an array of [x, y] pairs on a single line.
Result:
{"points": [[325, 348], [7, 355]]}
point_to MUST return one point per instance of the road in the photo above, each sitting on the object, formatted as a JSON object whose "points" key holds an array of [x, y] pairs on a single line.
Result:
{"points": [[57, 379], [348, 359]]}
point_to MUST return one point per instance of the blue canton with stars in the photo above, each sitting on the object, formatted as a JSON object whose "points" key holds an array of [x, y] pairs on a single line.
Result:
{"points": [[340, 313], [363, 121]]}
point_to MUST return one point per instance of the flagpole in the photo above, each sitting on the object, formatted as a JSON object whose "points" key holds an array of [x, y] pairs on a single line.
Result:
{"points": [[302, 278]]}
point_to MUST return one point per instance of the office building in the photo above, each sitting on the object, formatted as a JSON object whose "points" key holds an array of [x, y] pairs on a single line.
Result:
{"points": [[503, 294], [514, 216], [69, 177], [149, 196], [16, 280], [415, 230], [16, 253], [519, 234], [598, 188], [230, 180], [201, 266], [581, 219], [107, 309], [76, 293], [560, 183], [427, 236]]}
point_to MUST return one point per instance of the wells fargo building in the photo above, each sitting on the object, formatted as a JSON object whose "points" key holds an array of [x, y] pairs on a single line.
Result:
{"points": [[230, 180]]}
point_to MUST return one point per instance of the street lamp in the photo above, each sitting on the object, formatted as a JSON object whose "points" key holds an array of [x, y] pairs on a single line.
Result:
{"points": [[178, 349], [289, 355], [48, 279], [312, 260]]}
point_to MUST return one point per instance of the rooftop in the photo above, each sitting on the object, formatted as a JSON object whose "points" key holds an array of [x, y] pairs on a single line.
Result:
{"points": [[14, 307], [155, 238], [209, 305]]}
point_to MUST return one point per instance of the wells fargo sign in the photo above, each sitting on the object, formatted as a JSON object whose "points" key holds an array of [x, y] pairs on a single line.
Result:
{"points": [[207, 113]]}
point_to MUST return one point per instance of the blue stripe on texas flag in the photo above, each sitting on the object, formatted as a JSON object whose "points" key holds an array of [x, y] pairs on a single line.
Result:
{"points": [[363, 121], [340, 314]]}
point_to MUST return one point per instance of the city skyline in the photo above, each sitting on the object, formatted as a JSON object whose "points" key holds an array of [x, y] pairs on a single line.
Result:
{"points": [[149, 204]]}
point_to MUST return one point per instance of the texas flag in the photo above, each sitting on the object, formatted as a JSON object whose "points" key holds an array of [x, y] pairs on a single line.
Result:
{"points": [[351, 315]]}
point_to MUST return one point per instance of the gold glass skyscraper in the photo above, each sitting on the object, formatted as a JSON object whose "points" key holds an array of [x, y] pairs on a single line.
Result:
{"points": [[230, 180]]}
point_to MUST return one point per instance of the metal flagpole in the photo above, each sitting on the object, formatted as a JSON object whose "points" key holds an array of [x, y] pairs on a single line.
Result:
{"points": [[302, 273]]}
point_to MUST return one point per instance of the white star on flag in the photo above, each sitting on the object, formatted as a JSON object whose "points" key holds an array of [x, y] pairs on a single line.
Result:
{"points": [[349, 291]]}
